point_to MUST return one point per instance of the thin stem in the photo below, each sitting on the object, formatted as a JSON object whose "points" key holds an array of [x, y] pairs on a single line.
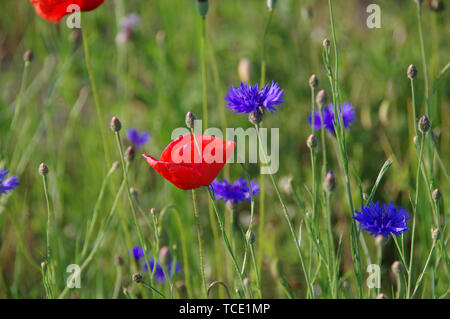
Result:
{"points": [[95, 93], [200, 246], [286, 215], [204, 76], [419, 280], [44, 181], [422, 49]]}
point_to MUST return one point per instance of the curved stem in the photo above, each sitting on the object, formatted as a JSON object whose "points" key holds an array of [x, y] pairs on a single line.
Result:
{"points": [[200, 246]]}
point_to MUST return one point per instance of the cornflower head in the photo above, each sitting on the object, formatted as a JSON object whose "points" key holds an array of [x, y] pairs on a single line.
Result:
{"points": [[325, 117], [7, 184], [386, 219], [137, 252], [161, 274], [234, 193], [138, 139], [247, 98]]}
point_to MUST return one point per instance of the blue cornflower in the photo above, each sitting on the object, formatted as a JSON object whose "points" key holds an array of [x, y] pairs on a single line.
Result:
{"points": [[138, 139], [7, 185], [138, 252], [325, 117], [160, 272], [247, 98], [382, 219], [234, 193]]}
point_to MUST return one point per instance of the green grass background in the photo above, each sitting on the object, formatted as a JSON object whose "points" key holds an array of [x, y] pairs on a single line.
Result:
{"points": [[155, 79]]}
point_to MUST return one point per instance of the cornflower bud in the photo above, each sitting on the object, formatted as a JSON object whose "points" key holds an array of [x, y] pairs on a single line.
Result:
{"points": [[312, 142], [329, 184], [190, 119], [322, 98], [436, 195], [115, 124], [412, 71], [313, 81], [43, 169], [424, 124]]}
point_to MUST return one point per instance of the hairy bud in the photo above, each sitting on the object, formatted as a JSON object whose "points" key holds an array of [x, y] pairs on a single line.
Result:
{"points": [[115, 124]]}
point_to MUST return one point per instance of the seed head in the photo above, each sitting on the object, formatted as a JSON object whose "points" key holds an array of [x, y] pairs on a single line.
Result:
{"points": [[115, 124], [164, 256], [397, 268], [313, 81], [322, 98], [271, 4], [245, 70], [137, 278], [130, 154], [255, 117], [435, 234], [43, 169], [28, 56], [190, 119], [436, 195], [329, 184], [251, 238], [202, 7], [312, 142], [424, 124], [412, 71]]}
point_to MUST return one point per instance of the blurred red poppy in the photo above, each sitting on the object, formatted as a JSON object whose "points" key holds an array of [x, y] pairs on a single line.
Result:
{"points": [[183, 166], [55, 10]]}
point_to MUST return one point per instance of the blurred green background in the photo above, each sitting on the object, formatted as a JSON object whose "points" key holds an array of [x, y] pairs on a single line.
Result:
{"points": [[150, 83]]}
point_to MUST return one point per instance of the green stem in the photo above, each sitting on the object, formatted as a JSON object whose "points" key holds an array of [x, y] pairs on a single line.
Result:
{"points": [[286, 215], [204, 76], [95, 93], [419, 280], [200, 246]]}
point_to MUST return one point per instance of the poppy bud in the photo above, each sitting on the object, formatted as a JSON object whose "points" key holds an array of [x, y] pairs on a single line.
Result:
{"points": [[202, 7], [329, 184], [118, 260], [28, 57], [424, 124], [412, 71], [134, 192], [115, 124], [190, 119], [326, 43], [435, 234], [255, 117], [381, 296], [397, 268], [43, 169], [164, 256], [245, 70], [115, 165], [251, 238], [271, 4], [137, 278], [436, 195], [313, 81], [312, 142], [129, 154], [436, 5], [322, 98]]}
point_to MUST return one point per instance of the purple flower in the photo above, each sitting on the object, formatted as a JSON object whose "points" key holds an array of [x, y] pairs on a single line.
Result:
{"points": [[162, 273], [234, 193], [382, 219], [7, 185], [247, 98], [138, 252], [138, 139], [325, 117]]}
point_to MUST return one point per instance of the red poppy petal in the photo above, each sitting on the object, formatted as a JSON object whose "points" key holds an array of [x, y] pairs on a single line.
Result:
{"points": [[55, 10]]}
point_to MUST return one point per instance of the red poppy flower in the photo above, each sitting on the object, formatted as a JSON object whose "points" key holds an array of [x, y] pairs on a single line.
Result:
{"points": [[183, 166], [55, 10]]}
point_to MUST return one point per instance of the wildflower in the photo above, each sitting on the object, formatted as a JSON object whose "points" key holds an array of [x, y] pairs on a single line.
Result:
{"points": [[137, 252], [161, 273], [325, 118], [55, 10], [137, 138], [329, 184], [247, 98], [183, 166], [234, 193], [7, 185], [436, 195], [383, 219], [424, 124]]}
